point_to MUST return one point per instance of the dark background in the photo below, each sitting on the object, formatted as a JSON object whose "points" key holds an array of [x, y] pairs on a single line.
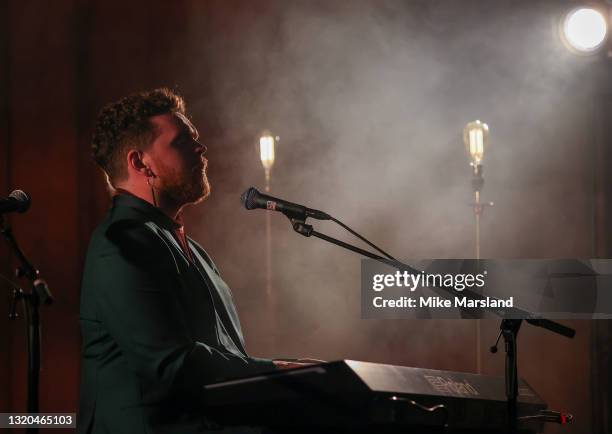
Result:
{"points": [[369, 99]]}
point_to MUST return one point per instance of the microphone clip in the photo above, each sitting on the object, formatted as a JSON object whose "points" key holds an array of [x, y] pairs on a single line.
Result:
{"points": [[300, 226]]}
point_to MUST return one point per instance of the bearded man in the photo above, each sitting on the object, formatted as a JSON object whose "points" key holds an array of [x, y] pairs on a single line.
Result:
{"points": [[157, 320]]}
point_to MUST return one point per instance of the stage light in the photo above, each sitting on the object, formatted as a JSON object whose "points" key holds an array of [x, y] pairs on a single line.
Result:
{"points": [[476, 139], [267, 156], [266, 151], [584, 30]]}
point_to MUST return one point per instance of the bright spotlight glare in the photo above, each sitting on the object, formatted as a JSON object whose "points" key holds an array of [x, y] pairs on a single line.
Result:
{"points": [[585, 29]]}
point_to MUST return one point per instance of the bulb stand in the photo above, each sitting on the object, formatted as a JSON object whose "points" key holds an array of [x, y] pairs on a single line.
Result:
{"points": [[478, 207]]}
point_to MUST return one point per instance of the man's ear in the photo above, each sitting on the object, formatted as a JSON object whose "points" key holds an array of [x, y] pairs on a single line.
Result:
{"points": [[135, 161]]}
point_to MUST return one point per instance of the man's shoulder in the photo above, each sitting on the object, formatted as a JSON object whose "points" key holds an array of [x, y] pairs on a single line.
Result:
{"points": [[125, 229]]}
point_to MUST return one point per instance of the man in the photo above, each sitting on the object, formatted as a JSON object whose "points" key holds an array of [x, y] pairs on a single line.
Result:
{"points": [[157, 320]]}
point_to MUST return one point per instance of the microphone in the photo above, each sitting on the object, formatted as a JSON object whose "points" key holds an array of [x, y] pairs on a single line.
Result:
{"points": [[252, 199], [18, 201]]}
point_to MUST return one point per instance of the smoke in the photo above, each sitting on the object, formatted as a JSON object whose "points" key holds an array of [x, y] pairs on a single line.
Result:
{"points": [[370, 99]]}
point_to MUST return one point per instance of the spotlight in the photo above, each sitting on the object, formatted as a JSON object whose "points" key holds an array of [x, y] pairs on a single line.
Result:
{"points": [[584, 30]]}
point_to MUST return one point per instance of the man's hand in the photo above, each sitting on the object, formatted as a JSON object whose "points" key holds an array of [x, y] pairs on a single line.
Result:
{"points": [[296, 363], [282, 364]]}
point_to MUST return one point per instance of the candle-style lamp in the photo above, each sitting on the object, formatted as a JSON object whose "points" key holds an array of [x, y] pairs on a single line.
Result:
{"points": [[476, 139], [267, 155]]}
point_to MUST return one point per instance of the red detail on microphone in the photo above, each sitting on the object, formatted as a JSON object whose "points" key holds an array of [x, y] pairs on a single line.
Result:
{"points": [[271, 205]]}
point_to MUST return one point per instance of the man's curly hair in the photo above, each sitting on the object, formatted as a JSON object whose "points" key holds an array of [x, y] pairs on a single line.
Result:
{"points": [[125, 124]]}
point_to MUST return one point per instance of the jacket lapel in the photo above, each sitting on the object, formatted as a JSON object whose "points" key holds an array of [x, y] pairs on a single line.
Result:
{"points": [[223, 299]]}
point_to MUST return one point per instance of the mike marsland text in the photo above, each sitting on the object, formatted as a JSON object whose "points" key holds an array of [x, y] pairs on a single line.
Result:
{"points": [[440, 302]]}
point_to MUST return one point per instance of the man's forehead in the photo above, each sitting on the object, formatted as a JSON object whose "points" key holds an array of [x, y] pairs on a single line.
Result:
{"points": [[185, 123], [170, 123]]}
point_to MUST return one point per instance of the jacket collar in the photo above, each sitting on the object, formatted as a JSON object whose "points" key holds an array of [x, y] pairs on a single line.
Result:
{"points": [[125, 203]]}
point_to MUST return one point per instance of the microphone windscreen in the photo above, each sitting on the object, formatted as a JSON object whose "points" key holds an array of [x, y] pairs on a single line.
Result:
{"points": [[248, 198], [22, 198]]}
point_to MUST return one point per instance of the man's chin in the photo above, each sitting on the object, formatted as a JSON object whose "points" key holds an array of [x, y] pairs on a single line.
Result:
{"points": [[202, 198], [187, 194], [201, 195]]}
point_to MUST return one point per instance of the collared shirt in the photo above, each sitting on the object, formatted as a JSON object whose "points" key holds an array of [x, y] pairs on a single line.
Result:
{"points": [[182, 238]]}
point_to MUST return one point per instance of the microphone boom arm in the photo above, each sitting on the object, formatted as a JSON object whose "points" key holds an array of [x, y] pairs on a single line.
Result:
{"points": [[304, 229]]}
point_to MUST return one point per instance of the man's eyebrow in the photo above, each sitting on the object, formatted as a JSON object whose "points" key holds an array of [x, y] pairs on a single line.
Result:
{"points": [[187, 128], [184, 133]]}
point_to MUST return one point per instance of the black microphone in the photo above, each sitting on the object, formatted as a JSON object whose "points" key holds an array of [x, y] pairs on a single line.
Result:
{"points": [[18, 201], [252, 199]]}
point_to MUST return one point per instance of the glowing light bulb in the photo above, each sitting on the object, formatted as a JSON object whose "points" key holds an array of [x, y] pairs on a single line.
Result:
{"points": [[476, 139], [266, 151]]}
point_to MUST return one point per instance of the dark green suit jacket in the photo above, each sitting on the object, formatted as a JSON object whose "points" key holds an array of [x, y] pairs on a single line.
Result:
{"points": [[155, 327]]}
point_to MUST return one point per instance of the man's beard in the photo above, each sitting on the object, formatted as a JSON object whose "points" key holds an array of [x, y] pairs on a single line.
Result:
{"points": [[188, 186]]}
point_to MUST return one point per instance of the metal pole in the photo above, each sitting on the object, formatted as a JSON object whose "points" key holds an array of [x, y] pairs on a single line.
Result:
{"points": [[268, 245], [477, 213], [478, 321], [270, 301]]}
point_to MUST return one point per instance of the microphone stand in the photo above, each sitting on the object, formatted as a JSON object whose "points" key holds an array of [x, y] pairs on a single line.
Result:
{"points": [[39, 294], [509, 327], [509, 331]]}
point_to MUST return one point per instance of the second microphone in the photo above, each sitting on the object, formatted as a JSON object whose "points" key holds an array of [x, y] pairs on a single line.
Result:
{"points": [[252, 199]]}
